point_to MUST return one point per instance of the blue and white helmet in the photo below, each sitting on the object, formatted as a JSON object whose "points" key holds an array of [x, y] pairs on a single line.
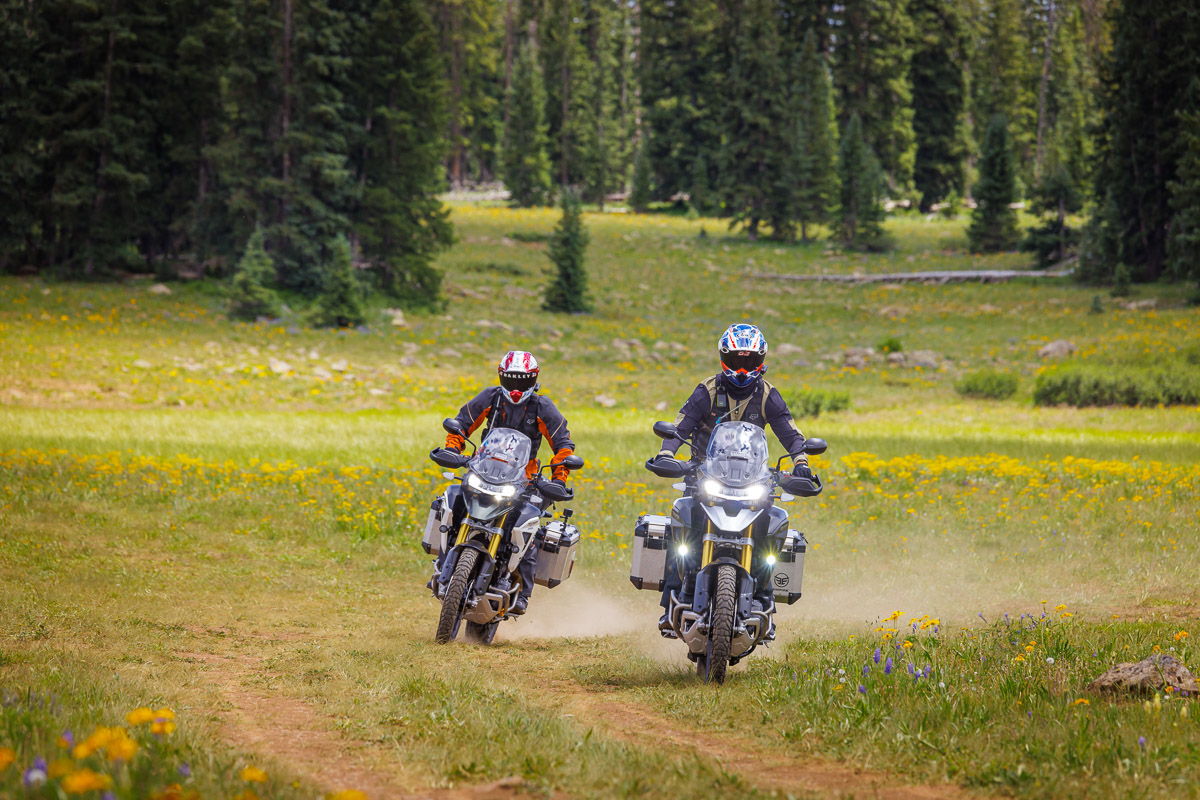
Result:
{"points": [[743, 348]]}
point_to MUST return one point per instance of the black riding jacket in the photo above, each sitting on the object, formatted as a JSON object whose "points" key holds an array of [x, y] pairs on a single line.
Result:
{"points": [[715, 401]]}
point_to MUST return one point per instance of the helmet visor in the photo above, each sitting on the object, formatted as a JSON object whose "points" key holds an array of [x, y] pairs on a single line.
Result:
{"points": [[742, 360], [518, 381]]}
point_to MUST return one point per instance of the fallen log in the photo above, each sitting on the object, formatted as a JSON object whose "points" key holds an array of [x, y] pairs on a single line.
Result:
{"points": [[944, 276]]}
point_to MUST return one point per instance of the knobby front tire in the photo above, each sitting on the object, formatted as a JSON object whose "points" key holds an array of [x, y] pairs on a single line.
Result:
{"points": [[456, 592]]}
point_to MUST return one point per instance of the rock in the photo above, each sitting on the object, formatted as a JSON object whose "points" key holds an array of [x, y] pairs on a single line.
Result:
{"points": [[661, 405], [313, 355], [896, 359], [160, 288], [854, 362], [339, 365], [866, 353], [449, 352], [1147, 676], [926, 359], [377, 392], [1140, 305], [605, 401], [279, 367], [322, 373], [627, 346], [142, 363], [787, 349], [1060, 348]]}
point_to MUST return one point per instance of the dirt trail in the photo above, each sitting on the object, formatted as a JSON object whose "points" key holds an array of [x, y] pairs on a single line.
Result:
{"points": [[289, 730], [639, 726]]}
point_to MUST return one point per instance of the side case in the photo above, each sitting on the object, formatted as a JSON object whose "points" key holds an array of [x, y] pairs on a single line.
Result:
{"points": [[439, 517], [650, 537], [788, 572], [556, 553]]}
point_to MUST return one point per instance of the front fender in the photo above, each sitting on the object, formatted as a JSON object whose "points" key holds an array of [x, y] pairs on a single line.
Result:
{"points": [[707, 577], [452, 558]]}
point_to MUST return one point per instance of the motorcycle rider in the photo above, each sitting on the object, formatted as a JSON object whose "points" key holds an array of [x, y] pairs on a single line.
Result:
{"points": [[739, 392], [515, 403]]}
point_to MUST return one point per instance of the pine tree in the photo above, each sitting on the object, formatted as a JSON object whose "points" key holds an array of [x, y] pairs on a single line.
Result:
{"points": [[526, 163], [640, 194], [1003, 77], [752, 130], [871, 71], [811, 172], [860, 213], [1184, 249], [994, 223], [340, 304], [682, 66], [398, 88], [1141, 145], [939, 100], [1100, 248], [567, 292], [251, 295], [1057, 196], [700, 191]]}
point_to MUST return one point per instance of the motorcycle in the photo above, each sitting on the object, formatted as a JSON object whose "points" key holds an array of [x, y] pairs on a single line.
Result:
{"points": [[485, 521], [727, 498]]}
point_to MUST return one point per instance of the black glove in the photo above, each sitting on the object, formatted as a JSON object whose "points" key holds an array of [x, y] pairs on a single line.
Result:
{"points": [[560, 482], [802, 471]]}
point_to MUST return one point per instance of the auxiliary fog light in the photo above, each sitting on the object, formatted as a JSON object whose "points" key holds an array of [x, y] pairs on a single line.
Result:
{"points": [[682, 550], [770, 561]]}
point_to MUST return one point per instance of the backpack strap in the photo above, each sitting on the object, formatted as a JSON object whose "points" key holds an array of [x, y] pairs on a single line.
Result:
{"points": [[767, 388], [497, 399], [531, 417]]}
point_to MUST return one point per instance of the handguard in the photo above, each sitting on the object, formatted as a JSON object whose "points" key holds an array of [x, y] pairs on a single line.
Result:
{"points": [[804, 487], [666, 467], [445, 457]]}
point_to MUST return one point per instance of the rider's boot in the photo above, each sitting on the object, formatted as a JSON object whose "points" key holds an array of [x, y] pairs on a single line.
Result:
{"points": [[519, 606]]}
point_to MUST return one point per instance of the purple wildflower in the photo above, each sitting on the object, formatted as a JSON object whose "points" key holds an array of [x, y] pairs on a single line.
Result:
{"points": [[36, 774], [69, 738], [982, 617], [928, 669], [866, 669], [862, 689], [1142, 742], [910, 668], [887, 668], [877, 654], [185, 770], [108, 796]]}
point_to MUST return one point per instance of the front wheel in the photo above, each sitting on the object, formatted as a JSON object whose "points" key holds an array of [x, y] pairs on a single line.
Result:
{"points": [[456, 592], [715, 661]]}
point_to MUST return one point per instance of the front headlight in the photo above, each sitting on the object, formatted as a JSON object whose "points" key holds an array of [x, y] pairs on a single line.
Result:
{"points": [[751, 494], [480, 485]]}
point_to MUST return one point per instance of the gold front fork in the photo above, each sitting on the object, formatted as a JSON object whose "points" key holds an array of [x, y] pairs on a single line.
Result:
{"points": [[706, 554], [494, 547], [747, 553], [462, 534]]}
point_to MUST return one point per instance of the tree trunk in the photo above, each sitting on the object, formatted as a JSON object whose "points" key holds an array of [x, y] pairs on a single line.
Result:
{"points": [[1047, 61], [89, 268], [286, 119], [509, 41], [566, 87]]}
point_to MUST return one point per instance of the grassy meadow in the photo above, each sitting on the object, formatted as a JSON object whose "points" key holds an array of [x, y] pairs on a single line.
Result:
{"points": [[220, 523]]}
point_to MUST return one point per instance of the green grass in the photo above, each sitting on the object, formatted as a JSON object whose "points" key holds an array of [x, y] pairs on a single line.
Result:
{"points": [[181, 524]]}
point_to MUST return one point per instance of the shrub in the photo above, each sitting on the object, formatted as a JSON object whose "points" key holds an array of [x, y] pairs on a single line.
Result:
{"points": [[567, 292], [340, 305], [989, 384], [890, 345], [1108, 385], [813, 402], [250, 295]]}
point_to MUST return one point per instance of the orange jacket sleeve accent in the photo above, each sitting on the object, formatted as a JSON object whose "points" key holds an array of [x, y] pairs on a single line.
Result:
{"points": [[457, 442], [561, 473]]}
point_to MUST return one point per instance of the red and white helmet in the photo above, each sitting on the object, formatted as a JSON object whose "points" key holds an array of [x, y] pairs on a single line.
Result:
{"points": [[518, 375]]}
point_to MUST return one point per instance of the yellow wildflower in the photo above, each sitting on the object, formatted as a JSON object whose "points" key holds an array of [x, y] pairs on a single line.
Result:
{"points": [[1018, 659], [60, 767], [140, 716], [1083, 701], [1181, 635], [347, 794], [7, 756], [254, 775], [121, 749], [85, 780], [247, 794], [1060, 607], [907, 645], [164, 713], [162, 727]]}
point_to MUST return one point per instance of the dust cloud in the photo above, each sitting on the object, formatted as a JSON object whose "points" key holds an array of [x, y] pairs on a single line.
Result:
{"points": [[575, 609]]}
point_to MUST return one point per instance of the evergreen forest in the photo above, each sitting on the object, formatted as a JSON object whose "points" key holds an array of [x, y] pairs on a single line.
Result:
{"points": [[186, 138]]}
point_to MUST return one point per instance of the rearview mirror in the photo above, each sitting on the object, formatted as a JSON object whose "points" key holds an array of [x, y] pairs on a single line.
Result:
{"points": [[665, 430], [571, 462], [453, 426], [814, 447]]}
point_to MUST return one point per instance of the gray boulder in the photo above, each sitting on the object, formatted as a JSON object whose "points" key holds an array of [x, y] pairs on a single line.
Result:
{"points": [[1150, 675], [1060, 348], [927, 359]]}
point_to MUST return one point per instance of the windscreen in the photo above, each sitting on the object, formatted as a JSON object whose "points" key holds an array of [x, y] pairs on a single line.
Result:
{"points": [[502, 456], [737, 454]]}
